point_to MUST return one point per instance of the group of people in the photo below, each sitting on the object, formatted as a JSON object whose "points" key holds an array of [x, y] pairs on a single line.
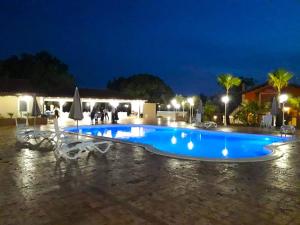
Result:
{"points": [[102, 114]]}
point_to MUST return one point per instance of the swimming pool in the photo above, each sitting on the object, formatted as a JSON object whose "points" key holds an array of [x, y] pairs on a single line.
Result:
{"points": [[189, 143]]}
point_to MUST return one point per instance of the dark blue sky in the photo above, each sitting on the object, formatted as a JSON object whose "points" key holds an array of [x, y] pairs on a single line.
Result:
{"points": [[186, 43]]}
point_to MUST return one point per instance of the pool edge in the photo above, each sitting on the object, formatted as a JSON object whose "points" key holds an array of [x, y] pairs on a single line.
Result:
{"points": [[275, 154]]}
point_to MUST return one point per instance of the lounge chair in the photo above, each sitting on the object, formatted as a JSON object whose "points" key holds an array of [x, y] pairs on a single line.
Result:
{"points": [[287, 129], [71, 147], [25, 134], [206, 125]]}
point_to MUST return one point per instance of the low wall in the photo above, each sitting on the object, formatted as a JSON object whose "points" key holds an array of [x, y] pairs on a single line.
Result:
{"points": [[12, 122], [171, 115]]}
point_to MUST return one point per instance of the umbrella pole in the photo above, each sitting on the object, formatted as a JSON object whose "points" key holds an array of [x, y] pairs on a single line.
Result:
{"points": [[77, 129]]}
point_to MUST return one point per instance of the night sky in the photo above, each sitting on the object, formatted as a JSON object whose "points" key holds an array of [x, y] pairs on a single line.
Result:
{"points": [[186, 43]]}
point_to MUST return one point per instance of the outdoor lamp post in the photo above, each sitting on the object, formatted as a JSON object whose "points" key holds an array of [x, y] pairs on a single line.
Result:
{"points": [[174, 104], [225, 100], [282, 99], [182, 103], [191, 102]]}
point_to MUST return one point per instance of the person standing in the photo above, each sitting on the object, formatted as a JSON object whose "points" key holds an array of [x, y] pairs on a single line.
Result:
{"points": [[105, 114], [56, 113], [113, 111], [93, 115]]}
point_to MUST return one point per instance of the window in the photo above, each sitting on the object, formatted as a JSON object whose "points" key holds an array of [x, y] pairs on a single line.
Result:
{"points": [[23, 106]]}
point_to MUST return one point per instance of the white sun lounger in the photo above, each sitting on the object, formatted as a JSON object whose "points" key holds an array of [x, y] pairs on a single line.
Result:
{"points": [[24, 133], [71, 147], [206, 125]]}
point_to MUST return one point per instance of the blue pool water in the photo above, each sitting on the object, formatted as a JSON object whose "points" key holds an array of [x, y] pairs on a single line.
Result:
{"points": [[183, 142]]}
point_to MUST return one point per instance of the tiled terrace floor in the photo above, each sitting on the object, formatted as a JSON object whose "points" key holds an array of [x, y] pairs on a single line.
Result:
{"points": [[129, 185]]}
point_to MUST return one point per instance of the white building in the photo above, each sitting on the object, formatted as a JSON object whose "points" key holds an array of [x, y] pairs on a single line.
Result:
{"points": [[16, 96]]}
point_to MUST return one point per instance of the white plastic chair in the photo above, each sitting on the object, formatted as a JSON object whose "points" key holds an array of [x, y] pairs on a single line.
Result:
{"points": [[287, 129]]}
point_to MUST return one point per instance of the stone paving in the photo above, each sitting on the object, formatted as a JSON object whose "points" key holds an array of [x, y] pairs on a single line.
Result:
{"points": [[129, 185]]}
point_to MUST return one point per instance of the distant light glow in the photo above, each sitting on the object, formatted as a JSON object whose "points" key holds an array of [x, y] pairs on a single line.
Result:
{"points": [[114, 104], [225, 152], [190, 101], [173, 140], [225, 99], [183, 134], [283, 98], [190, 145], [173, 102]]}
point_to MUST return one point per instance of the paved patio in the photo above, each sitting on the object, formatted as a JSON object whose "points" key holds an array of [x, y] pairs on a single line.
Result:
{"points": [[129, 185]]}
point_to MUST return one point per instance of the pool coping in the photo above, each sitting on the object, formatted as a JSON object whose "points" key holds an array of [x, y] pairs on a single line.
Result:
{"points": [[275, 152]]}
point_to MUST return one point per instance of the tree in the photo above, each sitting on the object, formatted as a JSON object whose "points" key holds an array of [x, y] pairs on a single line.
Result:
{"points": [[42, 70], [144, 86], [295, 103], [279, 79], [228, 81], [210, 109], [249, 112]]}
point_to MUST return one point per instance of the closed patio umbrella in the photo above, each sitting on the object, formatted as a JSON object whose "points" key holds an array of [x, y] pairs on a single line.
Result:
{"points": [[35, 109], [76, 110], [274, 110], [200, 109]]}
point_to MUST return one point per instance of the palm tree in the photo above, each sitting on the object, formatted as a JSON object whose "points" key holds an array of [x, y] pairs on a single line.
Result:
{"points": [[279, 79], [228, 81]]}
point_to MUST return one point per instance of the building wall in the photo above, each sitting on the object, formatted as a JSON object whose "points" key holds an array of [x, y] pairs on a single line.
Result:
{"points": [[8, 104], [268, 92], [149, 111]]}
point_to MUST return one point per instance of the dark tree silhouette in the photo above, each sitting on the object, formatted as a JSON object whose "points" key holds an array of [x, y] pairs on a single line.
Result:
{"points": [[144, 86], [43, 70]]}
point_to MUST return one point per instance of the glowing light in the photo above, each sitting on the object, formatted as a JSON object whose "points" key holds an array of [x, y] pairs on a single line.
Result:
{"points": [[168, 106], [286, 109], [26, 98], [173, 140], [183, 135], [225, 152], [126, 105], [283, 98], [225, 99], [174, 102], [177, 106], [190, 101], [114, 104], [190, 145], [215, 117]]}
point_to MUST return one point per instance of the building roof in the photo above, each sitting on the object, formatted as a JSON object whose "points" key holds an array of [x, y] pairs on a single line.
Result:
{"points": [[90, 93], [265, 85], [22, 86]]}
